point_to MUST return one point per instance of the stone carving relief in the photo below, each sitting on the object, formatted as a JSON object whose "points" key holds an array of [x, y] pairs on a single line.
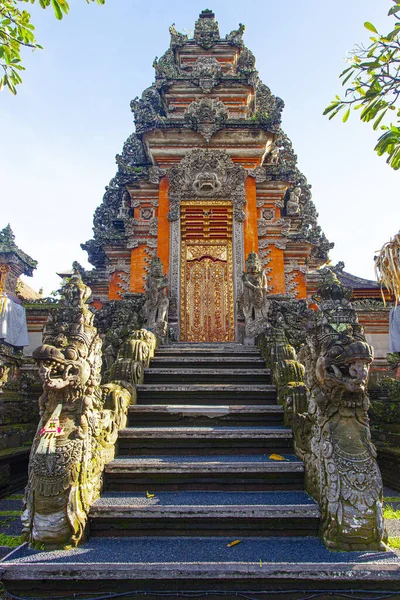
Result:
{"points": [[156, 174], [115, 322], [177, 39], [206, 31], [206, 116], [268, 214], [259, 174], [235, 37], [133, 154], [155, 308], [79, 423], [206, 73], [293, 203], [246, 64], [149, 111], [254, 302], [332, 435], [146, 213], [207, 174], [166, 68], [268, 108]]}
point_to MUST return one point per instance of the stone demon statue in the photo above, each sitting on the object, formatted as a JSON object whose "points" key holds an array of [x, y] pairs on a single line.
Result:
{"points": [[156, 303], [254, 302], [332, 435], [79, 423]]}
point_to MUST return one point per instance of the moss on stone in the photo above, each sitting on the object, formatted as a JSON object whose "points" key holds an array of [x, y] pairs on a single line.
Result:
{"points": [[11, 541]]}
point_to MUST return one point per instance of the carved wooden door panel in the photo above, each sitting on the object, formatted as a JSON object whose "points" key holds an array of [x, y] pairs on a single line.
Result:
{"points": [[207, 313]]}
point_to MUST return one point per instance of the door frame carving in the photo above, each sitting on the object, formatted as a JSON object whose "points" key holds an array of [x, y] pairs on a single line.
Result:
{"points": [[205, 174]]}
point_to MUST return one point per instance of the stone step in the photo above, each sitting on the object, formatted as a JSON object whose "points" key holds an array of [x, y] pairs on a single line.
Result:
{"points": [[205, 394], [287, 568], [183, 350], [208, 362], [231, 473], [198, 416], [141, 441], [208, 376], [205, 513]]}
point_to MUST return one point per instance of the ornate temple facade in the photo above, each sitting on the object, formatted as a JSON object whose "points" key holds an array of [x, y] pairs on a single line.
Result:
{"points": [[208, 177]]}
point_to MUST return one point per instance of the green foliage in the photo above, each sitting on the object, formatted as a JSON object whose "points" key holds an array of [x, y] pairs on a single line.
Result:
{"points": [[394, 542], [10, 513], [17, 31], [373, 80], [12, 541], [393, 359], [391, 513], [387, 411]]}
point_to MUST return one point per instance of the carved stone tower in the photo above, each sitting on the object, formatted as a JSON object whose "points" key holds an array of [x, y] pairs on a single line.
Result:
{"points": [[208, 177]]}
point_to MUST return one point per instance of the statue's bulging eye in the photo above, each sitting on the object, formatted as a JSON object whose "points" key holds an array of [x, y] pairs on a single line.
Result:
{"points": [[71, 354]]}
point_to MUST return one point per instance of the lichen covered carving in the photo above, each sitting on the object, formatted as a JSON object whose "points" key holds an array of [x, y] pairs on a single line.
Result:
{"points": [[79, 423], [207, 174], [207, 116], [254, 302], [333, 436], [206, 73], [156, 303], [206, 31]]}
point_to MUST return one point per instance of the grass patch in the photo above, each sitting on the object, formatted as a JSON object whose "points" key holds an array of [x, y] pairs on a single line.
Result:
{"points": [[10, 513], [394, 542], [12, 541], [19, 497], [390, 513], [392, 499]]}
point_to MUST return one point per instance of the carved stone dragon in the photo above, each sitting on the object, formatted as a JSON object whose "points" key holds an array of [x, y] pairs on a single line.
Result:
{"points": [[79, 424], [332, 435]]}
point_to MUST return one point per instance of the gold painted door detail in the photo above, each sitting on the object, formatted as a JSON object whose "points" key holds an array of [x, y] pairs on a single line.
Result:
{"points": [[207, 313]]}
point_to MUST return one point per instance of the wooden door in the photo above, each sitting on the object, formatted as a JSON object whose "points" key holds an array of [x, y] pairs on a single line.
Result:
{"points": [[207, 311]]}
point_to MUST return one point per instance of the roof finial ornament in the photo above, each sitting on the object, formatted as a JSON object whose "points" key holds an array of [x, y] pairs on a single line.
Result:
{"points": [[177, 39], [235, 37], [206, 30]]}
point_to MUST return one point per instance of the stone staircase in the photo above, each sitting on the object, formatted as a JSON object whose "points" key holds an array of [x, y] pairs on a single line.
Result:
{"points": [[194, 473], [203, 453]]}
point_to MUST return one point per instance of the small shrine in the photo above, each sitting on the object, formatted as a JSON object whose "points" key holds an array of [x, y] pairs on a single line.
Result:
{"points": [[13, 263], [208, 180]]}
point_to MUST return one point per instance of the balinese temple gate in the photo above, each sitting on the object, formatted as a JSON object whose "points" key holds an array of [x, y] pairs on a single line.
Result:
{"points": [[163, 454], [208, 177]]}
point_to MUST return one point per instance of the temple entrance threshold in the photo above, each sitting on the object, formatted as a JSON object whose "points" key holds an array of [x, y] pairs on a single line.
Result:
{"points": [[207, 305]]}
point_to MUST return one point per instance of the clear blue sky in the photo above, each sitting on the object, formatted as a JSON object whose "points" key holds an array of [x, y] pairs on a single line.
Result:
{"points": [[60, 134]]}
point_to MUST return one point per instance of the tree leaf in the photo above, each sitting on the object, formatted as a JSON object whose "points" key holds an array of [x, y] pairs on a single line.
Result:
{"points": [[346, 115], [370, 27], [234, 543], [57, 9]]}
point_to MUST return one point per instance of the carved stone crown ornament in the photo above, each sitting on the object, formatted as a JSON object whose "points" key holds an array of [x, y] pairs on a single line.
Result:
{"points": [[206, 73], [206, 30], [207, 116], [207, 174]]}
